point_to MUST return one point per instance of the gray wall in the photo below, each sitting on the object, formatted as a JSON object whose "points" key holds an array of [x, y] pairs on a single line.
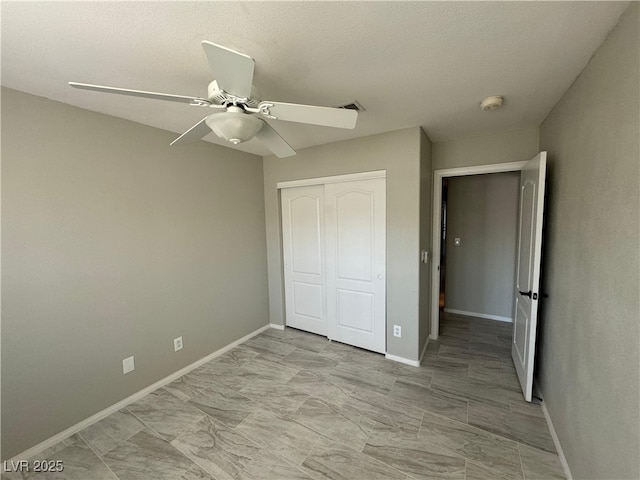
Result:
{"points": [[589, 361], [399, 154], [426, 193], [482, 210], [112, 245], [511, 146]]}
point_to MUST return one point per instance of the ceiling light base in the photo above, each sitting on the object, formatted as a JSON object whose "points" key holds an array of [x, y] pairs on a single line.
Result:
{"points": [[491, 103]]}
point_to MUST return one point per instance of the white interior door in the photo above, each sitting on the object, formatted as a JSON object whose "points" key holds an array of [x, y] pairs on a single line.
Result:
{"points": [[355, 219], [303, 252], [527, 293]]}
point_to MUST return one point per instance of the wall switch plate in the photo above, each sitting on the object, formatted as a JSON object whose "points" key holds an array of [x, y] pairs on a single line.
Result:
{"points": [[456, 241], [128, 365], [177, 344], [397, 331]]}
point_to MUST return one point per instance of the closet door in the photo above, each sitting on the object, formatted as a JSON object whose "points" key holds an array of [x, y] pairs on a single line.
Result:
{"points": [[303, 252], [355, 219]]}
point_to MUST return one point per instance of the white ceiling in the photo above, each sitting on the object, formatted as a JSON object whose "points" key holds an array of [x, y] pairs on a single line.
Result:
{"points": [[408, 63]]}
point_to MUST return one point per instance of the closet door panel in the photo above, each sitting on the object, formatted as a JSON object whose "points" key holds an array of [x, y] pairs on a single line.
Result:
{"points": [[303, 254], [354, 219], [355, 262]]}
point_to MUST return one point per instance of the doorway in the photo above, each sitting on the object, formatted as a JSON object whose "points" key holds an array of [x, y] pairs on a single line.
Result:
{"points": [[529, 248], [478, 249], [438, 243]]}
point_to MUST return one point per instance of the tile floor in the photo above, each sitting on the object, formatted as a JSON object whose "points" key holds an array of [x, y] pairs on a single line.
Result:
{"points": [[292, 405]]}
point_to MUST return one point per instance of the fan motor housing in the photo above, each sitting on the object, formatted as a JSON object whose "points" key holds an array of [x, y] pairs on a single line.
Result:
{"points": [[218, 96]]}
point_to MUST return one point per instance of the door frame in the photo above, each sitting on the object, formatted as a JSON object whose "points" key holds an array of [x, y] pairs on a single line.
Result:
{"points": [[436, 228]]}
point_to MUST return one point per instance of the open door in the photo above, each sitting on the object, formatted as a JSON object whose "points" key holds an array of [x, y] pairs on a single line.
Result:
{"points": [[527, 294]]}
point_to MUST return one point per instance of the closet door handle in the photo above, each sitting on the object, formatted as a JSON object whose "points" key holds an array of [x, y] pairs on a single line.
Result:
{"points": [[380, 276]]}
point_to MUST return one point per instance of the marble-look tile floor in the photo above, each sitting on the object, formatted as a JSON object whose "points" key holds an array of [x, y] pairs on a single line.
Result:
{"points": [[292, 405]]}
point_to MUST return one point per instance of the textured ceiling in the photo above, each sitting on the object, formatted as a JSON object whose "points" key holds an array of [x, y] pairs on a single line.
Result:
{"points": [[407, 63]]}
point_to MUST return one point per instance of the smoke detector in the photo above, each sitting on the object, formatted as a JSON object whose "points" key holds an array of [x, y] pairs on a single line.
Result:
{"points": [[491, 103]]}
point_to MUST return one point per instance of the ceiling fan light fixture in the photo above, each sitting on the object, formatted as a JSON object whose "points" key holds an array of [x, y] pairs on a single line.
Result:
{"points": [[234, 125], [242, 118]]}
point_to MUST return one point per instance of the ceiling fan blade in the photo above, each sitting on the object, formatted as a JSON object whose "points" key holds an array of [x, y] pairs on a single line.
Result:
{"points": [[196, 132], [195, 101], [274, 142], [327, 116], [232, 70]]}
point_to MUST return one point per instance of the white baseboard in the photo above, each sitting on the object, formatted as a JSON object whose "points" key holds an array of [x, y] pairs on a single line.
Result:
{"points": [[132, 398], [479, 315], [276, 326], [424, 351], [406, 361], [556, 442]]}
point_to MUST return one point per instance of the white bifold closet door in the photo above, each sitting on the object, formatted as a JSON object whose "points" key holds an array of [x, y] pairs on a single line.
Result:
{"points": [[303, 252], [334, 260]]}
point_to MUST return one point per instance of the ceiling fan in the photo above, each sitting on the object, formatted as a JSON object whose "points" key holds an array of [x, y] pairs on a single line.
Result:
{"points": [[240, 111]]}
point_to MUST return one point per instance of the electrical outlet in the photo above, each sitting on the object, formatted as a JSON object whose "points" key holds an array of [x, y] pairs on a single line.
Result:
{"points": [[128, 365], [177, 344], [397, 331]]}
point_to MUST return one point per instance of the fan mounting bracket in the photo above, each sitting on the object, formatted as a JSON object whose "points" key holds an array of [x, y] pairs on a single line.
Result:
{"points": [[264, 110], [199, 102]]}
